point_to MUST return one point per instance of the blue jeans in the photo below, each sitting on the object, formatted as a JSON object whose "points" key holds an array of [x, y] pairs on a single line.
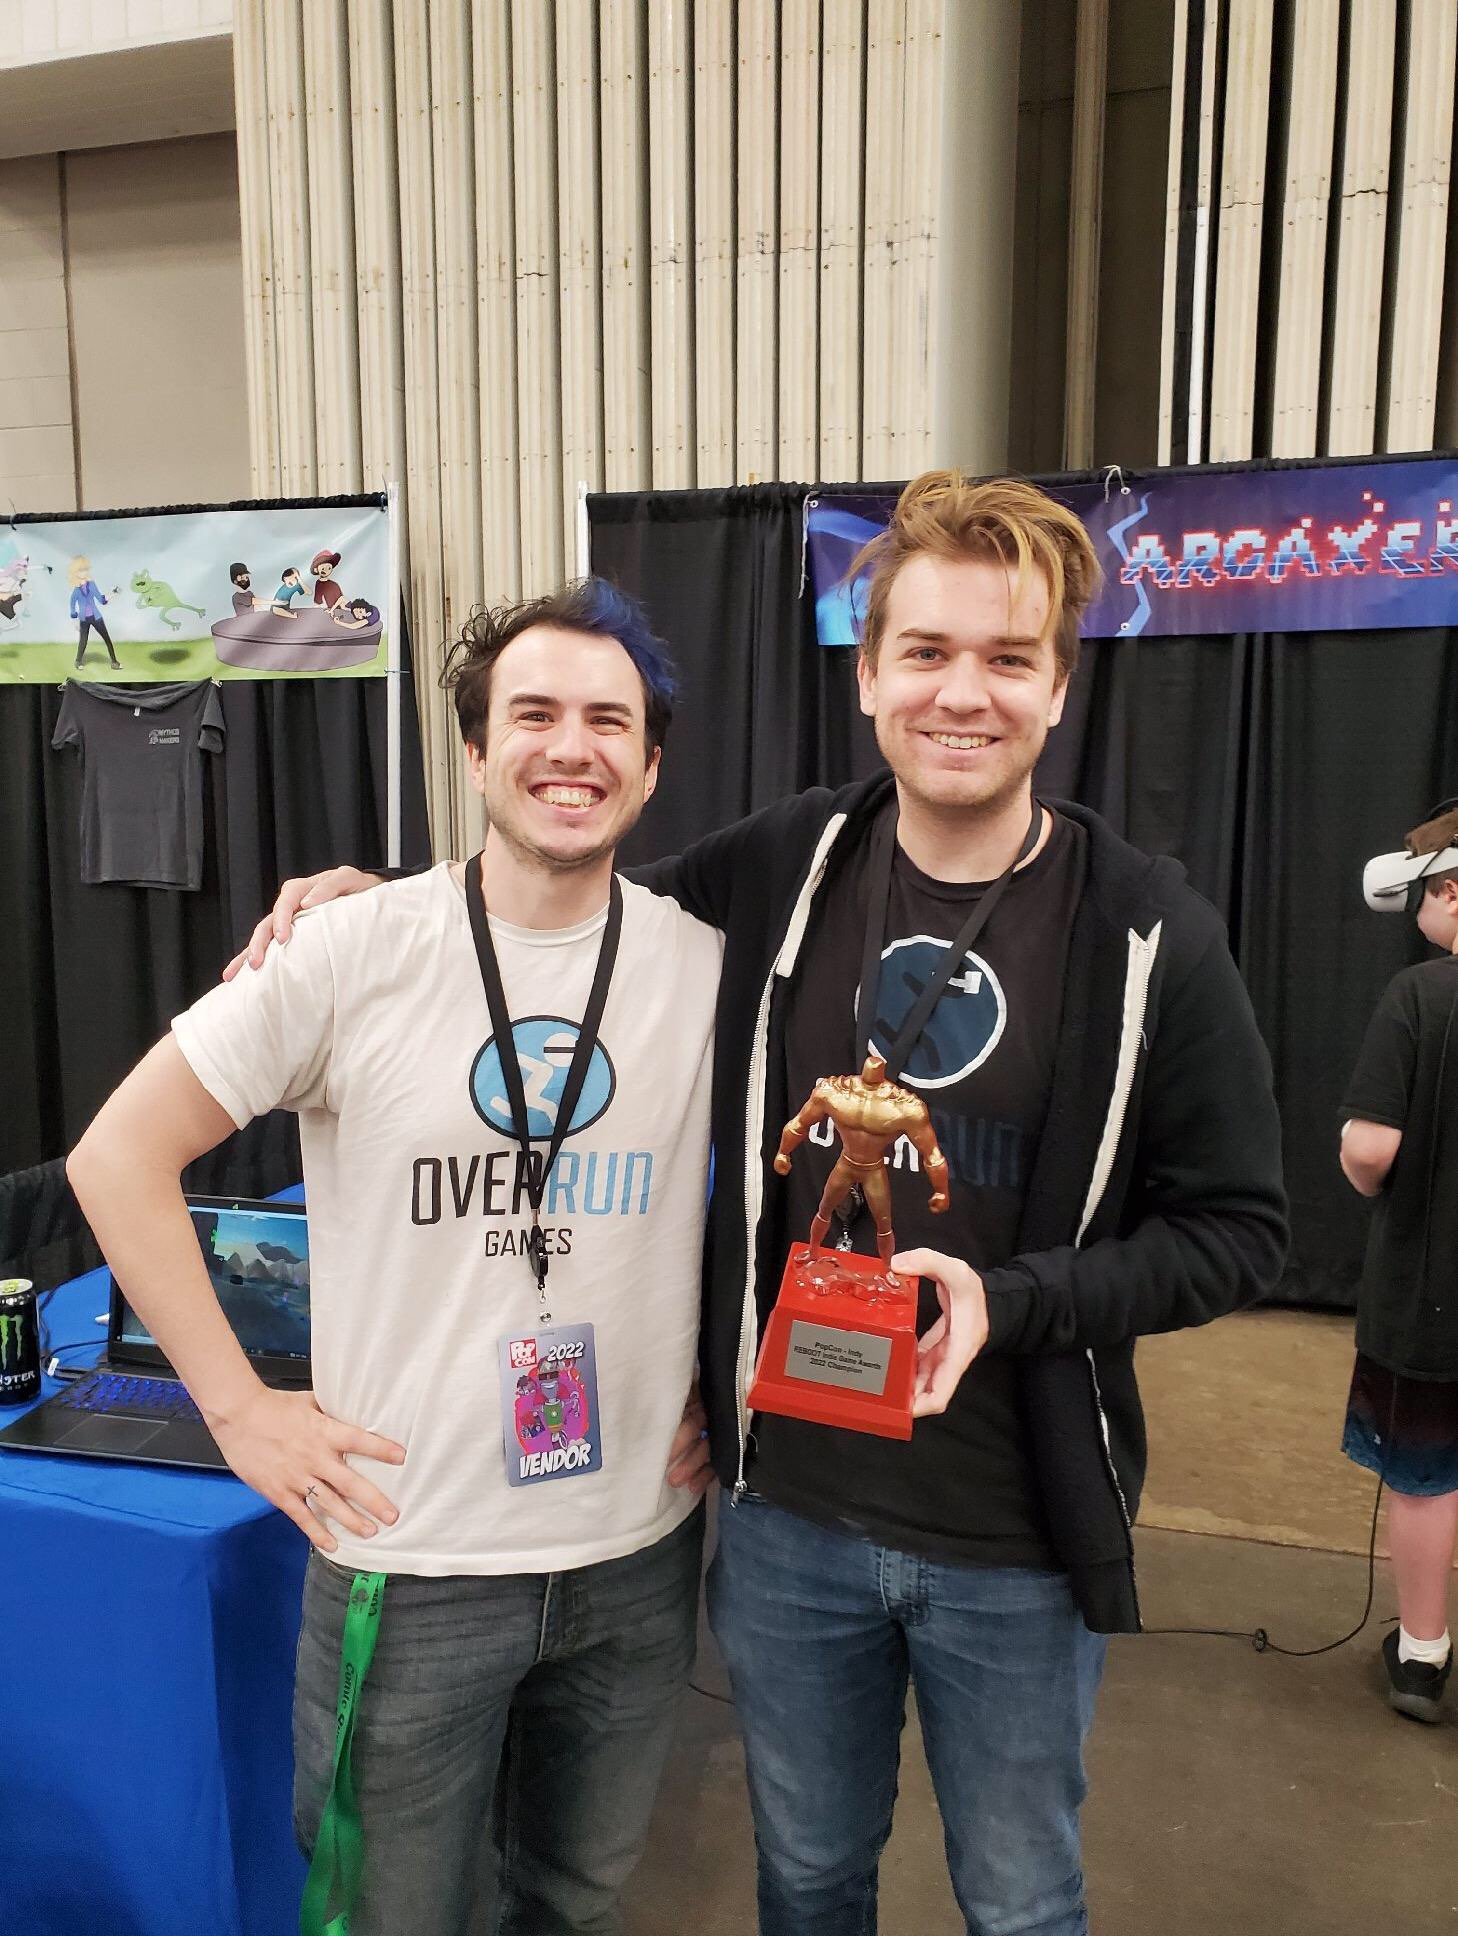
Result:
{"points": [[548, 1699], [821, 1631]]}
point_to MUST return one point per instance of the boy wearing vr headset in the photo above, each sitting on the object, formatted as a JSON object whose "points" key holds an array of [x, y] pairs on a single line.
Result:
{"points": [[1400, 1145]]}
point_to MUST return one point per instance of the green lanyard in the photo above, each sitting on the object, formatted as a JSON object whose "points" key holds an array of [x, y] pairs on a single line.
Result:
{"points": [[334, 1872]]}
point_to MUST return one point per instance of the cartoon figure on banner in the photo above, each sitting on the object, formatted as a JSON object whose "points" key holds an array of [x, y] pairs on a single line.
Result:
{"points": [[324, 636], [87, 599], [356, 615], [245, 599], [551, 1408], [12, 588], [190, 594], [155, 595], [326, 592]]}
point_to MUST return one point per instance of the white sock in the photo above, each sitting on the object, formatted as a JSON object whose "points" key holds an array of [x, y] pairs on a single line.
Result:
{"points": [[1432, 1653]]}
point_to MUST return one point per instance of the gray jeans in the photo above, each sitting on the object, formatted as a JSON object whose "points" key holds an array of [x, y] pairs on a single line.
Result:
{"points": [[508, 1741]]}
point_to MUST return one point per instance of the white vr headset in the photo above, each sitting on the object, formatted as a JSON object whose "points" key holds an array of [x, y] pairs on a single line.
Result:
{"points": [[1396, 883]]}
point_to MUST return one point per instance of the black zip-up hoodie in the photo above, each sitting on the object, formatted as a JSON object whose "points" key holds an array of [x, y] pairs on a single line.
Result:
{"points": [[1155, 1200]]}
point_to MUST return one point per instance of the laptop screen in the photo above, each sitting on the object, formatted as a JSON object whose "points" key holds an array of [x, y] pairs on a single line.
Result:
{"points": [[258, 1258]]}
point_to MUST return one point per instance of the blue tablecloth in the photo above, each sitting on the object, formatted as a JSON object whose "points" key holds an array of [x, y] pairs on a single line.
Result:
{"points": [[148, 1620]]}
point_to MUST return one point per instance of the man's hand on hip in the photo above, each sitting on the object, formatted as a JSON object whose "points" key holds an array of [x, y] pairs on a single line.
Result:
{"points": [[688, 1456], [286, 1448]]}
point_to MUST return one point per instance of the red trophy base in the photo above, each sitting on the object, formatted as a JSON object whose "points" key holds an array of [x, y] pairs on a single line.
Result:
{"points": [[840, 1345]]}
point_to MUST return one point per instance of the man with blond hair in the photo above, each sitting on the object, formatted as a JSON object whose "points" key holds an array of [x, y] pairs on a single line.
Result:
{"points": [[1101, 1094]]}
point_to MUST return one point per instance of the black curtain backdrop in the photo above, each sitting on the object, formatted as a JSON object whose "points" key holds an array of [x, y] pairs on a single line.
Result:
{"points": [[93, 975], [764, 710], [1273, 766]]}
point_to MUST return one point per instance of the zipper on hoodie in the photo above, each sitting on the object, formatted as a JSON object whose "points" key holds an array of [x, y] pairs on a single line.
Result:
{"points": [[782, 964], [753, 1199], [1132, 1037], [1114, 1481]]}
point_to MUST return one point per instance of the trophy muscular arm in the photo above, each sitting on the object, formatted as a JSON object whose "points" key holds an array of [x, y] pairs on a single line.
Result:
{"points": [[799, 1127], [924, 1141]]}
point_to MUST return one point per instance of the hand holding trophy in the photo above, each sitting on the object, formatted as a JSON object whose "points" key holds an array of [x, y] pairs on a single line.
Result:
{"points": [[840, 1346]]}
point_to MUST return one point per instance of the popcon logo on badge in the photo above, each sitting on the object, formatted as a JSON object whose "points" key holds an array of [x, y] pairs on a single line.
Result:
{"points": [[523, 1353]]}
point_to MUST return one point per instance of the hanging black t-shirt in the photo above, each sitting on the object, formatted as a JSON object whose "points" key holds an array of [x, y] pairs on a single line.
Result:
{"points": [[141, 753], [962, 1487], [1407, 1078]]}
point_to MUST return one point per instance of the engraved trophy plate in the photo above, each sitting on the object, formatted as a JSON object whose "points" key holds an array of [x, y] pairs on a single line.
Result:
{"points": [[826, 1355]]}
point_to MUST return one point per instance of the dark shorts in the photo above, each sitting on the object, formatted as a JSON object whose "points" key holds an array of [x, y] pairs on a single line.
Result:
{"points": [[1404, 1428]]}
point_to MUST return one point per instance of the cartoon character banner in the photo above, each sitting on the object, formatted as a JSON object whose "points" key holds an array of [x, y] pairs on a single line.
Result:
{"points": [[297, 592], [1342, 547]]}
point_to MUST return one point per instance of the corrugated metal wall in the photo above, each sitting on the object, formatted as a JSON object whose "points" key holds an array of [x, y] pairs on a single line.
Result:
{"points": [[498, 248], [1309, 241]]}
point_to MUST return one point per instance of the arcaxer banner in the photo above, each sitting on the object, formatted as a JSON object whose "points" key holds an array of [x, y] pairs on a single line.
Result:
{"points": [[264, 592], [1319, 548]]}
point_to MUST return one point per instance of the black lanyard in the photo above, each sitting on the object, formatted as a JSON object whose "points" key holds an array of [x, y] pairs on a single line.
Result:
{"points": [[878, 907], [534, 1176]]}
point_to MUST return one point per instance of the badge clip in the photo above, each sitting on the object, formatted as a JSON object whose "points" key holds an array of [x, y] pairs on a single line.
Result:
{"points": [[537, 1257]]}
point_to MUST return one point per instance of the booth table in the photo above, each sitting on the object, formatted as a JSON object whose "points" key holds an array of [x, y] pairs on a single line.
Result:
{"points": [[148, 1621]]}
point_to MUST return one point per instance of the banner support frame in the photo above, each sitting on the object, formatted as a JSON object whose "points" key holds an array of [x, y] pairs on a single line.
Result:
{"points": [[393, 677]]}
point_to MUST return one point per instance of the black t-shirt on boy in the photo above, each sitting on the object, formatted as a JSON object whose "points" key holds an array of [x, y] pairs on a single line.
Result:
{"points": [[1407, 1078]]}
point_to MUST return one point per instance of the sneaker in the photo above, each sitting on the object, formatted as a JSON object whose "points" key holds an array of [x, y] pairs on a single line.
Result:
{"points": [[1414, 1689]]}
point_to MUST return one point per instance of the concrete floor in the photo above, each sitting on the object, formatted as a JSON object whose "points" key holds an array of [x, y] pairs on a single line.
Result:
{"points": [[1229, 1789]]}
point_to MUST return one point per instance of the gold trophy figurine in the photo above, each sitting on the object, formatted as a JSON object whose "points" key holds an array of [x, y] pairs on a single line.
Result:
{"points": [[839, 1347], [870, 1113]]}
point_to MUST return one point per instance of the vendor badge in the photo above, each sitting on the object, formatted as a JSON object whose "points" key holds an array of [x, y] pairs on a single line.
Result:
{"points": [[549, 1414]]}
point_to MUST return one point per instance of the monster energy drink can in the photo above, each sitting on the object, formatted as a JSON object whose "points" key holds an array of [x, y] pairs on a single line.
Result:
{"points": [[19, 1342]]}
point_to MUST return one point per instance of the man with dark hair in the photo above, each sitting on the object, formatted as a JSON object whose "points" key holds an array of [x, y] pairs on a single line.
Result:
{"points": [[501, 1464], [244, 600], [357, 615], [1102, 1097]]}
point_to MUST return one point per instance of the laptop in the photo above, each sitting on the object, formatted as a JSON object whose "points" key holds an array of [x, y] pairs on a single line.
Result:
{"points": [[133, 1405]]}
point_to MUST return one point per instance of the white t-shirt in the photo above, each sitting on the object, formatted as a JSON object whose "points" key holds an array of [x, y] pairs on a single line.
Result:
{"points": [[372, 1024]]}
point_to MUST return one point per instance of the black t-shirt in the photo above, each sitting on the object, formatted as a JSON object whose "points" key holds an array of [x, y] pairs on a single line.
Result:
{"points": [[141, 753], [962, 1487], [1407, 1078]]}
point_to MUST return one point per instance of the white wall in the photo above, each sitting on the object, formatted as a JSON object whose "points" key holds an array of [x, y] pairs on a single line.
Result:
{"points": [[41, 30], [37, 467], [99, 73], [121, 292], [156, 283]]}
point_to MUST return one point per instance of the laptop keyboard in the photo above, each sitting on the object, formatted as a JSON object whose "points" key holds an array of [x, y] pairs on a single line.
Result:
{"points": [[114, 1391]]}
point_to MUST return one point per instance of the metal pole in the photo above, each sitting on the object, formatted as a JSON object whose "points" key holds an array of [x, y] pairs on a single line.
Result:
{"points": [[1085, 227], [1238, 253], [1362, 241], [1297, 383], [392, 681]]}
